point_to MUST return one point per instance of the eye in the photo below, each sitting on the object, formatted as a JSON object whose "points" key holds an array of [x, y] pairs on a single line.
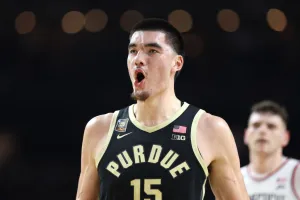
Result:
{"points": [[256, 125], [132, 51], [151, 51], [271, 126]]}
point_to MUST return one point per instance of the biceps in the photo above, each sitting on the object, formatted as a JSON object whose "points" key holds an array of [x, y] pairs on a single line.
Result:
{"points": [[88, 185]]}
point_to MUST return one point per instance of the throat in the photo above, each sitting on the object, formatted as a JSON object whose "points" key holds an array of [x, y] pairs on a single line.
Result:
{"points": [[267, 165], [152, 116]]}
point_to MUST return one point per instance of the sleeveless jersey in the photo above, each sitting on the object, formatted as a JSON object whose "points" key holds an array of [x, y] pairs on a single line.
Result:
{"points": [[278, 185], [161, 162]]}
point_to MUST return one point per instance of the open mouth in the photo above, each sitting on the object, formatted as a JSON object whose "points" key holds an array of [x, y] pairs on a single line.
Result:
{"points": [[139, 76]]}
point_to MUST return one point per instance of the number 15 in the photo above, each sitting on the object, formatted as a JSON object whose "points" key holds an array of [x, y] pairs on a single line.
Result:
{"points": [[136, 183]]}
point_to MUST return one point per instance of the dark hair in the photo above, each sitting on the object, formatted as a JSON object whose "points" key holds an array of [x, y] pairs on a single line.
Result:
{"points": [[173, 36], [268, 106]]}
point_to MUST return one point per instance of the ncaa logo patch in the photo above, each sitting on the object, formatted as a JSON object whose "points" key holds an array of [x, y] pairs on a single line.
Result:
{"points": [[121, 125]]}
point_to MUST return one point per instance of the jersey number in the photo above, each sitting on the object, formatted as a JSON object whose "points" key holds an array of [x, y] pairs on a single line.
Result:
{"points": [[136, 183]]}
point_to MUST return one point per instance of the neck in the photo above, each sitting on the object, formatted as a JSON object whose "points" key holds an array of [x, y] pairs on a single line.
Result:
{"points": [[157, 109], [265, 163]]}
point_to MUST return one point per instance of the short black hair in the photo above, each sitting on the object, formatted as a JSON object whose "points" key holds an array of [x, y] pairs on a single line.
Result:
{"points": [[173, 36], [268, 106]]}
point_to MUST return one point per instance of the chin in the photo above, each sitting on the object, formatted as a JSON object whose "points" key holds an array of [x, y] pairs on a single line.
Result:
{"points": [[263, 151], [140, 95]]}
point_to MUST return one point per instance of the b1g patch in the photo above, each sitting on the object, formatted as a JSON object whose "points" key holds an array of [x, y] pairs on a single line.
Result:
{"points": [[121, 125]]}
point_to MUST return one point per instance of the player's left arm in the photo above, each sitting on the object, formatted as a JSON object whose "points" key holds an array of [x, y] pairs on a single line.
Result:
{"points": [[296, 181], [225, 175]]}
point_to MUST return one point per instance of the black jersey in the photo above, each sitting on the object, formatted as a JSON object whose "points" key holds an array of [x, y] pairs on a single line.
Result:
{"points": [[152, 163]]}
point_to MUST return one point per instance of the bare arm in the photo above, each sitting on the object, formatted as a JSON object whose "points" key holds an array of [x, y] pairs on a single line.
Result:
{"points": [[296, 181], [94, 134], [225, 176]]}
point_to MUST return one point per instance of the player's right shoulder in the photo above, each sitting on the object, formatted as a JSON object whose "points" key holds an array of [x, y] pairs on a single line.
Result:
{"points": [[98, 126], [100, 120]]}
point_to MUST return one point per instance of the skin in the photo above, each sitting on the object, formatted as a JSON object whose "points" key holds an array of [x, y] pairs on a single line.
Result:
{"points": [[265, 157], [149, 51]]}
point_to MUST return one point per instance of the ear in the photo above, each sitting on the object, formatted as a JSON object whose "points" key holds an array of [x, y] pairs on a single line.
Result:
{"points": [[286, 138], [246, 134], [178, 63]]}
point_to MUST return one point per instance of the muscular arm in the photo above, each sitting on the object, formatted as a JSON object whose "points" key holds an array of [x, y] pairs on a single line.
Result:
{"points": [[225, 176], [94, 134]]}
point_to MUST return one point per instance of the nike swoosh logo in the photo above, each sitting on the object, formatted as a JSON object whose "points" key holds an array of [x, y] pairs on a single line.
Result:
{"points": [[120, 136]]}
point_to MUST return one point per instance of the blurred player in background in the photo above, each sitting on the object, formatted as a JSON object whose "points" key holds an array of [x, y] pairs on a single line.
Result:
{"points": [[270, 174]]}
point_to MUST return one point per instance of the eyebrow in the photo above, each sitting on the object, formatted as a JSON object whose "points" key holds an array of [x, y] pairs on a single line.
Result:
{"points": [[153, 44]]}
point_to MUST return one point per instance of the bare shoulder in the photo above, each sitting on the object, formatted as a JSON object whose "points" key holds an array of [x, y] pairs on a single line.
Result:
{"points": [[296, 178], [98, 126], [222, 158], [213, 131], [96, 131], [213, 126]]}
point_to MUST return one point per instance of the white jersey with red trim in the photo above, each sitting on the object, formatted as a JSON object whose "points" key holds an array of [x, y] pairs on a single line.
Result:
{"points": [[277, 185]]}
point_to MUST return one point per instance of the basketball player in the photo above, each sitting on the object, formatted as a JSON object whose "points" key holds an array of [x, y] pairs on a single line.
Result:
{"points": [[270, 174], [160, 147]]}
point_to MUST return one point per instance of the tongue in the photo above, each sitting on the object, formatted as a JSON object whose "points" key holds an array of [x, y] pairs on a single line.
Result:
{"points": [[139, 83]]}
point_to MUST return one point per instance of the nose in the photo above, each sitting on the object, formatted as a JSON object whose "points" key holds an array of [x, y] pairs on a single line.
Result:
{"points": [[262, 130], [140, 59]]}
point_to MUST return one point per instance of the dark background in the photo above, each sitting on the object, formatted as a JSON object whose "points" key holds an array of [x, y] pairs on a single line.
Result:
{"points": [[52, 83]]}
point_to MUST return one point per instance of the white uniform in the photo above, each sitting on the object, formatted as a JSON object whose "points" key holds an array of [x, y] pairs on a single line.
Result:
{"points": [[278, 185]]}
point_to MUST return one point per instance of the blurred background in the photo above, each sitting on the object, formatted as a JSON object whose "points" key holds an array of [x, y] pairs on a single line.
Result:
{"points": [[63, 63]]}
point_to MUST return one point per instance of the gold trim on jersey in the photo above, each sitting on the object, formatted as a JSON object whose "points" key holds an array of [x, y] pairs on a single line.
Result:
{"points": [[194, 141], [203, 189], [151, 129], [110, 132]]}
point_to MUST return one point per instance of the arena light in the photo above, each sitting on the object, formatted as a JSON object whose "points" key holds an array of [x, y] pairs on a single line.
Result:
{"points": [[228, 20], [73, 22], [25, 22], [276, 19], [95, 20], [129, 19], [181, 20]]}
